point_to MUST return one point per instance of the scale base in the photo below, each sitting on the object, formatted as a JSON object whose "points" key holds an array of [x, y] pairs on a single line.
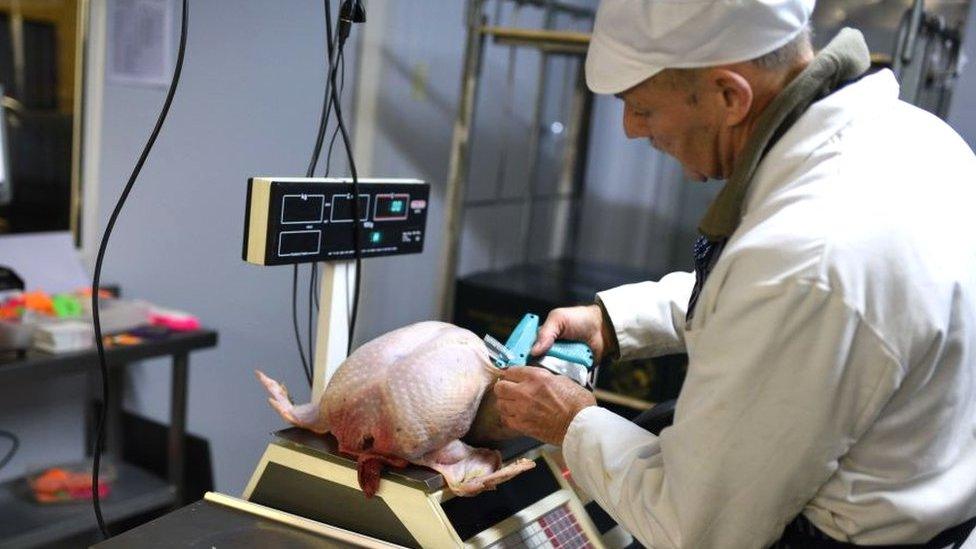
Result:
{"points": [[302, 474]]}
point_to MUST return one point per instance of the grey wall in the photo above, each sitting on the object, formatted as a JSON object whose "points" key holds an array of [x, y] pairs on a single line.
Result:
{"points": [[248, 104], [416, 105]]}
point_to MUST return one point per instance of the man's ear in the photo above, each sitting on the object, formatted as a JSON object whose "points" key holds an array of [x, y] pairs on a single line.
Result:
{"points": [[734, 92]]}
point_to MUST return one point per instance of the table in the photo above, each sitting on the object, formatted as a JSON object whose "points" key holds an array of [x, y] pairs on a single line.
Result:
{"points": [[24, 523], [205, 525]]}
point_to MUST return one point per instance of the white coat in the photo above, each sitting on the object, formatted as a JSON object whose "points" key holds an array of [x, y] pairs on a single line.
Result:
{"points": [[832, 354]]}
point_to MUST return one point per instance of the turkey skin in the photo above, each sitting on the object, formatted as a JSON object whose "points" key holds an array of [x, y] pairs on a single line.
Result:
{"points": [[410, 396]]}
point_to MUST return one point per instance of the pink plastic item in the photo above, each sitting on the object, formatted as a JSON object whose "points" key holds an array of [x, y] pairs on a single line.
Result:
{"points": [[174, 320]]}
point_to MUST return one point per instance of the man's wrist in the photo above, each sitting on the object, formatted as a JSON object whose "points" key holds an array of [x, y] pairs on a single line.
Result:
{"points": [[611, 347], [571, 416]]}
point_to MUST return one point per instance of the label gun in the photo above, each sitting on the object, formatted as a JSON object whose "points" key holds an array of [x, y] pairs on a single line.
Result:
{"points": [[573, 359]]}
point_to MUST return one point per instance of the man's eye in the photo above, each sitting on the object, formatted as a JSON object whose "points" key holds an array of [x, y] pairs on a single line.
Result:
{"points": [[636, 111]]}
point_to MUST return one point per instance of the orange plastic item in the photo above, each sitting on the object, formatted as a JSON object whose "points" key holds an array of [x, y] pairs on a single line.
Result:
{"points": [[57, 484], [9, 312], [51, 480], [127, 339], [39, 301], [121, 339], [87, 292]]}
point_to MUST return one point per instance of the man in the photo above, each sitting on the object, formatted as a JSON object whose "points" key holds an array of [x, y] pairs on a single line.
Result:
{"points": [[831, 327]]}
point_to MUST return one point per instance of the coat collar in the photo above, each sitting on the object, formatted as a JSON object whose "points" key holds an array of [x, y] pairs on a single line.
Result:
{"points": [[824, 119], [844, 59]]}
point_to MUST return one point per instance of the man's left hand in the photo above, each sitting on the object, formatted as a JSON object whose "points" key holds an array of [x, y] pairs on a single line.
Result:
{"points": [[540, 404]]}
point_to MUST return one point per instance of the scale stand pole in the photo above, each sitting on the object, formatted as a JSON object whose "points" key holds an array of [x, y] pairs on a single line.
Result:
{"points": [[332, 333]]}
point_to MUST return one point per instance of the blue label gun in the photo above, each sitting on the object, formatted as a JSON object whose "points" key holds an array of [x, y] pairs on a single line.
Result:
{"points": [[572, 359]]}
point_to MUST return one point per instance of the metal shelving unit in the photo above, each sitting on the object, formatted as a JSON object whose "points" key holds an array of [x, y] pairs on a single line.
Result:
{"points": [[548, 42], [535, 212], [25, 523], [919, 40]]}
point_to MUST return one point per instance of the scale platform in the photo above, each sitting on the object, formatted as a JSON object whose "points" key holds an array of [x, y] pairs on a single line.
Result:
{"points": [[302, 474], [424, 478]]}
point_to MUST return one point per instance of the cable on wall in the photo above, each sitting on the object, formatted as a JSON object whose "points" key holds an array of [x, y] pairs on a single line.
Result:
{"points": [[14, 446], [308, 364], [99, 442]]}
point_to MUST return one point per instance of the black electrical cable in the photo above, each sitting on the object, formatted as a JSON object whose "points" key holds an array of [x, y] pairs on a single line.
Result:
{"points": [[312, 278], [332, 141], [335, 133], [342, 35], [335, 58], [328, 165], [14, 445], [314, 296], [99, 441], [294, 320], [327, 98], [311, 322], [308, 363], [315, 284]]}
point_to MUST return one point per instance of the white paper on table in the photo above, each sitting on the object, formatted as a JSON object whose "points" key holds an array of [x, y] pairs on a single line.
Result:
{"points": [[140, 36], [45, 261]]}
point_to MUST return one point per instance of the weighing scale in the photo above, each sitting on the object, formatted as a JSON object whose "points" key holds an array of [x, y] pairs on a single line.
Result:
{"points": [[303, 474]]}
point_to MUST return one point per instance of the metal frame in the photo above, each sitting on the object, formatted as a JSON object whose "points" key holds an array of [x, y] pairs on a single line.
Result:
{"points": [[548, 42], [461, 154], [926, 59], [82, 39]]}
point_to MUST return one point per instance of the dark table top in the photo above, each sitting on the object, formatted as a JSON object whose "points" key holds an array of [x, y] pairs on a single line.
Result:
{"points": [[40, 364], [206, 525]]}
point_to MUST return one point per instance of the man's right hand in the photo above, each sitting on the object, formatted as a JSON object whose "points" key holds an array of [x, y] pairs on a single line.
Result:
{"points": [[584, 323]]}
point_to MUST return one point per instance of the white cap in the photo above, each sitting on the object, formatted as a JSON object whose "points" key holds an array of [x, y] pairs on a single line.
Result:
{"points": [[635, 39]]}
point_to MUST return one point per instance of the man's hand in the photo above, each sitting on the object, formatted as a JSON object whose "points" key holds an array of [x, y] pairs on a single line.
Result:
{"points": [[584, 323], [538, 403]]}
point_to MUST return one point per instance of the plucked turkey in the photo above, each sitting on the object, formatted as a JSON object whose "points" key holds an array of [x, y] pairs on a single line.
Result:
{"points": [[411, 395]]}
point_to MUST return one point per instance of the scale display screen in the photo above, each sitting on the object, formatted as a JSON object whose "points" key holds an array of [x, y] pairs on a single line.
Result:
{"points": [[341, 208], [299, 243], [391, 207], [302, 208], [298, 220]]}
